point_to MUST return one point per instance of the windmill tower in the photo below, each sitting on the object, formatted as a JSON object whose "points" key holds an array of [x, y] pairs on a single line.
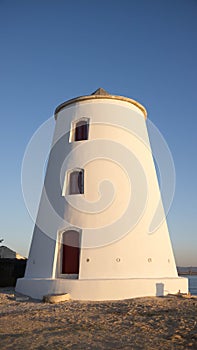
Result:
{"points": [[92, 235]]}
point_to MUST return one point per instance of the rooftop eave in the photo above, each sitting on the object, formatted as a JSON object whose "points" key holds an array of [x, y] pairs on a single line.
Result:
{"points": [[100, 97]]}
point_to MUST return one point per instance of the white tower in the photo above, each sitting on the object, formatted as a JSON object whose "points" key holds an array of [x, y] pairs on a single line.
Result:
{"points": [[92, 236]]}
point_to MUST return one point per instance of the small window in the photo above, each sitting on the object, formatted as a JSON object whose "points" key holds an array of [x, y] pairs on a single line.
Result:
{"points": [[79, 130], [76, 182]]}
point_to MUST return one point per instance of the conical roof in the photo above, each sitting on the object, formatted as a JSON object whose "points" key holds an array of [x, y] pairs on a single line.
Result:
{"points": [[101, 91]]}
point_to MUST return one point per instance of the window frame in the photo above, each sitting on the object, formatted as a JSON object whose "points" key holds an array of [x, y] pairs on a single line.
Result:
{"points": [[67, 184], [74, 127], [58, 269]]}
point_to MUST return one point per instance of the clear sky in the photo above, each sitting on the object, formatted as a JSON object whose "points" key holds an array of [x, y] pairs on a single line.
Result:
{"points": [[54, 50]]}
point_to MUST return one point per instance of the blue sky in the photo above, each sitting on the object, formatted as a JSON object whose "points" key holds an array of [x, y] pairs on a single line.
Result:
{"points": [[52, 51]]}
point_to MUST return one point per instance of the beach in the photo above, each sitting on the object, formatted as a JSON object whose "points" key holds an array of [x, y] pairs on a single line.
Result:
{"points": [[143, 323]]}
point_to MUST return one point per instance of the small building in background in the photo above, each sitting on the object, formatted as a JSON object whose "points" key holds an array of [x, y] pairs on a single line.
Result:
{"points": [[7, 253], [12, 266]]}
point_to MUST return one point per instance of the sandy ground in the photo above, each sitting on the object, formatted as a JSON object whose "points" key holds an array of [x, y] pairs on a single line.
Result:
{"points": [[142, 323]]}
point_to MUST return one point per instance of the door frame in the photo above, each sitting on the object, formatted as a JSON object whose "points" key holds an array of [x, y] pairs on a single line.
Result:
{"points": [[60, 252]]}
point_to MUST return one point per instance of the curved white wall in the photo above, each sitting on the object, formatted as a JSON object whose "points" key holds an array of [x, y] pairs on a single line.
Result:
{"points": [[120, 198], [119, 256]]}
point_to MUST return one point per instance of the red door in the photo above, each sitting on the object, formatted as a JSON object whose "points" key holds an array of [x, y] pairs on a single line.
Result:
{"points": [[70, 254]]}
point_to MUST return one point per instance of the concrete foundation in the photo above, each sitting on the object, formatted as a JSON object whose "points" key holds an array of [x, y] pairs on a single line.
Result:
{"points": [[103, 289]]}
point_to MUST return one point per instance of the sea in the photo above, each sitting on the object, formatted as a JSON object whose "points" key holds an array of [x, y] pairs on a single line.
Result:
{"points": [[192, 284]]}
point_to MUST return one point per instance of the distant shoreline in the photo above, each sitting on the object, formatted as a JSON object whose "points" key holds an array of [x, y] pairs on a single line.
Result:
{"points": [[187, 273], [189, 270]]}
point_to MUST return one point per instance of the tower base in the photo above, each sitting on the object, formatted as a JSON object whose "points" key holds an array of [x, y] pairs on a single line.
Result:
{"points": [[97, 290]]}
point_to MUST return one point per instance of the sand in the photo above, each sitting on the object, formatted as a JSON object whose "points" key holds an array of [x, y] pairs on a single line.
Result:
{"points": [[143, 323]]}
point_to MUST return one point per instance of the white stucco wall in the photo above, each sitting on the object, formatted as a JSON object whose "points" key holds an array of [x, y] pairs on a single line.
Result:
{"points": [[120, 199]]}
